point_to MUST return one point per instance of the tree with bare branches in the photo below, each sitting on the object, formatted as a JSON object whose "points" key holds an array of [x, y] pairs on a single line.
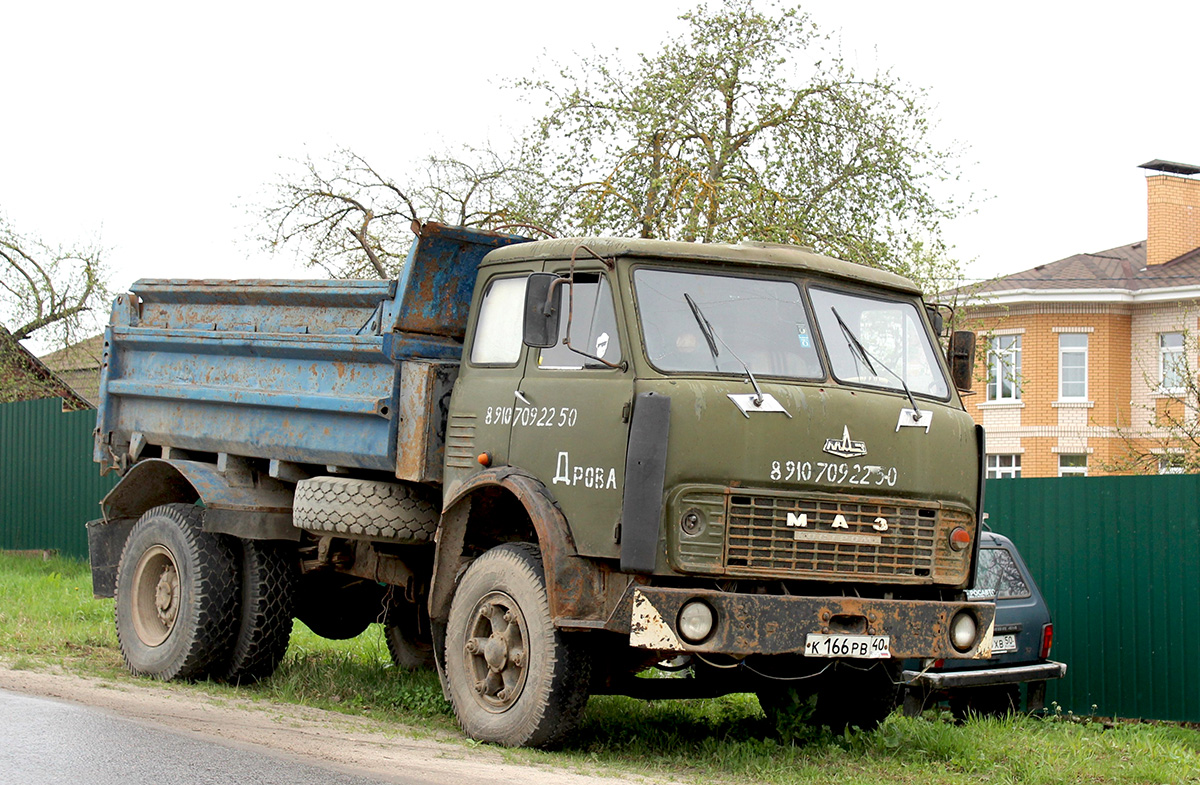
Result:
{"points": [[342, 215], [45, 290]]}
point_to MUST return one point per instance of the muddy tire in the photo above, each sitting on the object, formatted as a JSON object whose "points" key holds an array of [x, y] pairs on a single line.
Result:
{"points": [[177, 595], [364, 508], [409, 637], [268, 580], [514, 678]]}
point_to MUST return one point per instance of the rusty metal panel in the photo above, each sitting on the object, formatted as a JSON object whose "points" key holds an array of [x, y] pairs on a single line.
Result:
{"points": [[49, 487], [1118, 561], [439, 277], [779, 624], [425, 389]]}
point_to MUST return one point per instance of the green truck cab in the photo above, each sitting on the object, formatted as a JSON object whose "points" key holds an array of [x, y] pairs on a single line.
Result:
{"points": [[757, 453]]}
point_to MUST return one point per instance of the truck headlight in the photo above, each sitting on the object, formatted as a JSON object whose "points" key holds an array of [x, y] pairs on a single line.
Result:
{"points": [[963, 631], [696, 621]]}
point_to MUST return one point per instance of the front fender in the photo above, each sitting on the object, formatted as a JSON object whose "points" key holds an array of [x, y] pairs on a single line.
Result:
{"points": [[575, 584]]}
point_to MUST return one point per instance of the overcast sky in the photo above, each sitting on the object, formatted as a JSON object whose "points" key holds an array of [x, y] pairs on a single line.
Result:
{"points": [[153, 125]]}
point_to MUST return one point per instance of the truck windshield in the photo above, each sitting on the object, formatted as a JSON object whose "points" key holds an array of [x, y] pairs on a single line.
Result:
{"points": [[761, 321], [878, 343]]}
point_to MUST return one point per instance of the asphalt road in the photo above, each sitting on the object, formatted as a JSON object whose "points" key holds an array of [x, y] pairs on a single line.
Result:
{"points": [[46, 742]]}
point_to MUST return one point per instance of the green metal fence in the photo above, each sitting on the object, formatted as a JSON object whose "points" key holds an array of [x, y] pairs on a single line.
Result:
{"points": [[49, 486], [1118, 560]]}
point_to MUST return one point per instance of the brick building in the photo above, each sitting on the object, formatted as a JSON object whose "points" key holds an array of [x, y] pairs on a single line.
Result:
{"points": [[1079, 355]]}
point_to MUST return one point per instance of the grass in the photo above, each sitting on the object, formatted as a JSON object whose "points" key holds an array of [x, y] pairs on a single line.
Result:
{"points": [[48, 618]]}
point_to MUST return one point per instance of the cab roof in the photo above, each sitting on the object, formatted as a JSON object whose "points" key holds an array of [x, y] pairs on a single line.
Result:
{"points": [[769, 255]]}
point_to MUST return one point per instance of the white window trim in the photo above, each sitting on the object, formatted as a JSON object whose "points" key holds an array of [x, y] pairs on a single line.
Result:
{"points": [[1011, 472], [1162, 389], [1072, 471], [992, 358], [1072, 350]]}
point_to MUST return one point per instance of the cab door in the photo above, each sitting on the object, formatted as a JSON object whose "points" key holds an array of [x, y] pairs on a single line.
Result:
{"points": [[570, 425]]}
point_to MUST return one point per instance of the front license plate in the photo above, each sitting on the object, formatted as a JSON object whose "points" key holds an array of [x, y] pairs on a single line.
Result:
{"points": [[1002, 644], [865, 647]]}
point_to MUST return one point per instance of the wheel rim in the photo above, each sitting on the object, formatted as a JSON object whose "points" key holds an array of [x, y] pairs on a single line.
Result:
{"points": [[495, 651], [156, 595]]}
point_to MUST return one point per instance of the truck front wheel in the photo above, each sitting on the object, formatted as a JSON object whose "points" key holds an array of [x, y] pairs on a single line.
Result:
{"points": [[514, 678], [177, 595]]}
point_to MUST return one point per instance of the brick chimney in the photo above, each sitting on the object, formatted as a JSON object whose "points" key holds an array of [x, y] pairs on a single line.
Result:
{"points": [[1172, 210]]}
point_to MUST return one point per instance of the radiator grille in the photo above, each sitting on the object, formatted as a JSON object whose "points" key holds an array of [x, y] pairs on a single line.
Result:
{"points": [[798, 536]]}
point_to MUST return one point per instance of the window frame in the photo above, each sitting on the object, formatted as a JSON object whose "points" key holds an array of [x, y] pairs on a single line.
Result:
{"points": [[1072, 471], [1072, 350], [1000, 472], [479, 323], [603, 282], [999, 359], [1178, 353]]}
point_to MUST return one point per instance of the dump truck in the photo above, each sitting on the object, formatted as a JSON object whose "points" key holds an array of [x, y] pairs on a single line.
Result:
{"points": [[547, 467]]}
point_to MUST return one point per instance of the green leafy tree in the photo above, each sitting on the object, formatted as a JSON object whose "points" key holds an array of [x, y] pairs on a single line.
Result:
{"points": [[748, 126]]}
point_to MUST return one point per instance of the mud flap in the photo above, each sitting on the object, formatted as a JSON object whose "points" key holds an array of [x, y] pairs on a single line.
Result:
{"points": [[645, 474]]}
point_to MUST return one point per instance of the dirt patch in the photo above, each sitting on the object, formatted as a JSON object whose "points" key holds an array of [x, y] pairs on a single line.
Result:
{"points": [[313, 735]]}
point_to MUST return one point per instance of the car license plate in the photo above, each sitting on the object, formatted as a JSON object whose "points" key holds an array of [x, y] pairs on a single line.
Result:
{"points": [[1002, 644], [868, 647]]}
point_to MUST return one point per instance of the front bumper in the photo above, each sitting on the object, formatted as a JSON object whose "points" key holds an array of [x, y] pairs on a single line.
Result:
{"points": [[987, 677], [773, 624]]}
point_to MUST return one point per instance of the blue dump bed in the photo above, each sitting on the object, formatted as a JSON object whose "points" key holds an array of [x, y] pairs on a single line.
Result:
{"points": [[307, 372]]}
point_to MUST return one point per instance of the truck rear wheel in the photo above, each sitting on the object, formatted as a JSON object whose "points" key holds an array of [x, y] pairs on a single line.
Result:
{"points": [[364, 508], [177, 595], [514, 678], [268, 579]]}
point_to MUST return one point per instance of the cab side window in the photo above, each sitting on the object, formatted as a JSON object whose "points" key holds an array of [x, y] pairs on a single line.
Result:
{"points": [[497, 339], [592, 322]]}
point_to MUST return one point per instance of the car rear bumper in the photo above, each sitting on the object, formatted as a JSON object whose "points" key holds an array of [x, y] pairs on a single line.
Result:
{"points": [[986, 677]]}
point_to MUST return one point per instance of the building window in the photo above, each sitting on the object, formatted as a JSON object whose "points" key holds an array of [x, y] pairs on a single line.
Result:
{"points": [[1170, 464], [1072, 366], [1001, 466], [1171, 363], [1072, 466], [1004, 368]]}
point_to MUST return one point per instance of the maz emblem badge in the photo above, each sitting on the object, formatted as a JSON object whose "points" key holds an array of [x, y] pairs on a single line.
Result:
{"points": [[845, 447]]}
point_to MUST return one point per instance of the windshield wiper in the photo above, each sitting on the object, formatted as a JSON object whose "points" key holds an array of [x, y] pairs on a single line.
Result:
{"points": [[856, 345], [711, 336]]}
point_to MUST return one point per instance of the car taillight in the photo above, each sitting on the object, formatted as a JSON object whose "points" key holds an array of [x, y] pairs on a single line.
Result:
{"points": [[1047, 639]]}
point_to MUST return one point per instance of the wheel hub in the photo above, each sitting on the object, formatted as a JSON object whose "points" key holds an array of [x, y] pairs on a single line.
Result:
{"points": [[156, 595], [495, 651]]}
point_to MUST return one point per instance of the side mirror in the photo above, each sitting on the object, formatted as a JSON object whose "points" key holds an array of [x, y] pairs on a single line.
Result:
{"points": [[543, 301], [962, 358]]}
